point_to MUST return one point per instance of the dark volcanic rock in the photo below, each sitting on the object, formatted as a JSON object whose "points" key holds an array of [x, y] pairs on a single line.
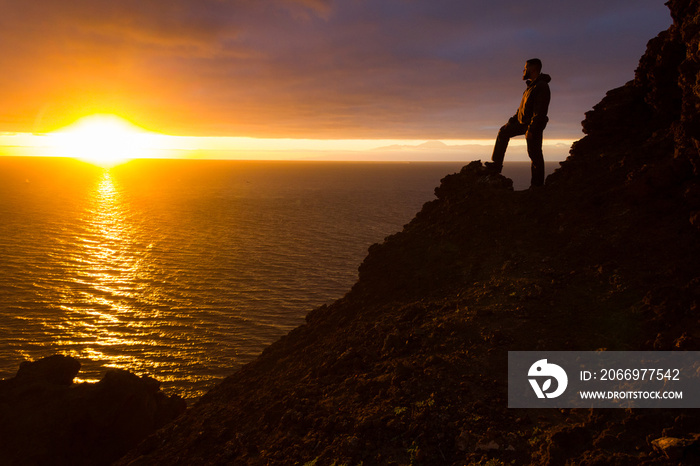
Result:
{"points": [[56, 369], [410, 367], [45, 419]]}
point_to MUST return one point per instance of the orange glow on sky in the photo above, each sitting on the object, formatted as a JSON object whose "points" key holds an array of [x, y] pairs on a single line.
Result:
{"points": [[313, 69]]}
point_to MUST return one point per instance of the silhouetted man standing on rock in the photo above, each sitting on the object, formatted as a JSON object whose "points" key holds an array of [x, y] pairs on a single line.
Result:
{"points": [[530, 120]]}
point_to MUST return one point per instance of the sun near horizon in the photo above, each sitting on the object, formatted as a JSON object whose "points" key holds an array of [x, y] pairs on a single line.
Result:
{"points": [[105, 140]]}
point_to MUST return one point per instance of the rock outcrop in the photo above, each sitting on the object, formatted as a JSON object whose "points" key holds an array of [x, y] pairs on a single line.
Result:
{"points": [[46, 419], [410, 366]]}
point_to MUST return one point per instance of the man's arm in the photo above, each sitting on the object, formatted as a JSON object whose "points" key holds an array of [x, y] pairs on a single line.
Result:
{"points": [[539, 109]]}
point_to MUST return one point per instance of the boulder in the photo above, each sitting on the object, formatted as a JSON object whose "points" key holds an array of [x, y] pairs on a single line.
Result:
{"points": [[48, 419]]}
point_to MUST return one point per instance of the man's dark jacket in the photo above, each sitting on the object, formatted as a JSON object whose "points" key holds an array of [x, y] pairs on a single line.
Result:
{"points": [[533, 108]]}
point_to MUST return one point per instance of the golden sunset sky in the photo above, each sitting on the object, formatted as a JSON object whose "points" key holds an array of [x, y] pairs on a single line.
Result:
{"points": [[321, 74]]}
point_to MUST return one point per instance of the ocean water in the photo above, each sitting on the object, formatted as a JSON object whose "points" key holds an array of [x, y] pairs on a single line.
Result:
{"points": [[185, 270]]}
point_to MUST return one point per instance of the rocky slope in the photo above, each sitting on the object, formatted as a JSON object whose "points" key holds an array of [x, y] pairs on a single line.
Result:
{"points": [[410, 366]]}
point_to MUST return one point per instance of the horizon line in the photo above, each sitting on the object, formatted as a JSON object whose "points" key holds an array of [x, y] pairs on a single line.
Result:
{"points": [[250, 148]]}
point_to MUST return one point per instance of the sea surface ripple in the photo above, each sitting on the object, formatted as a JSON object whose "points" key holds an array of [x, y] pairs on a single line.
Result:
{"points": [[184, 270]]}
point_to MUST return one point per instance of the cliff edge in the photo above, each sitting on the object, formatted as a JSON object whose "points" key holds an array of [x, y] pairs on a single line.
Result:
{"points": [[410, 366]]}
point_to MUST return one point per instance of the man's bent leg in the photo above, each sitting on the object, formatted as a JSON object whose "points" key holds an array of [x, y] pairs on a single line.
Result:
{"points": [[534, 151], [506, 132]]}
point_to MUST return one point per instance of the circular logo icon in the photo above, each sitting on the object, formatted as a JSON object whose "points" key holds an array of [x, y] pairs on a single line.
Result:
{"points": [[544, 371]]}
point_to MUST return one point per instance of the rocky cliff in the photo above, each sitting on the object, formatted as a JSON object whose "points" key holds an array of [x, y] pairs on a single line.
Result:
{"points": [[410, 366]]}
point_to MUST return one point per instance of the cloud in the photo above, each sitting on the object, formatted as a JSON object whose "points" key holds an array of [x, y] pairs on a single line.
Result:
{"points": [[313, 68]]}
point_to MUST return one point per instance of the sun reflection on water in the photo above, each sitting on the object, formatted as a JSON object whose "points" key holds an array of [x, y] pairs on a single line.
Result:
{"points": [[98, 312]]}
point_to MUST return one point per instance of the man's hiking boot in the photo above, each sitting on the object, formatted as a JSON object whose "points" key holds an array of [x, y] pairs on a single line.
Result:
{"points": [[493, 166]]}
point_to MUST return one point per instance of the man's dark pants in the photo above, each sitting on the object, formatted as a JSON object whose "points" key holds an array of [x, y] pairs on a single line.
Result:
{"points": [[534, 148]]}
